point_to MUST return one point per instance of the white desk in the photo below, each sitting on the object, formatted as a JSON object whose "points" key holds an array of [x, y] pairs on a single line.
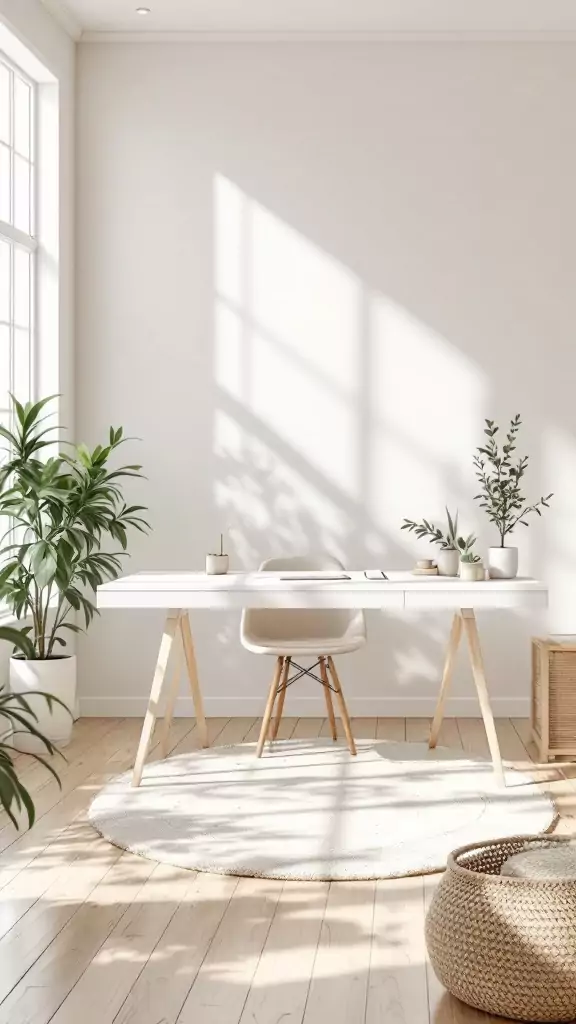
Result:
{"points": [[177, 592]]}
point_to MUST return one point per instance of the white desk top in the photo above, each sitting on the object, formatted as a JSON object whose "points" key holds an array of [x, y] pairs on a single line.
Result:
{"points": [[273, 590]]}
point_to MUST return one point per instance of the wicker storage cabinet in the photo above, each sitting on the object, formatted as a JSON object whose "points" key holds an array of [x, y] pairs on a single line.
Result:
{"points": [[553, 716]]}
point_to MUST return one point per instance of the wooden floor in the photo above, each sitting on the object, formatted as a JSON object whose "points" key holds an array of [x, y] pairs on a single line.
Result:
{"points": [[92, 935]]}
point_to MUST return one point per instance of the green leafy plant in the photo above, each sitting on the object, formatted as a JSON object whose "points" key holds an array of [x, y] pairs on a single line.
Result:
{"points": [[61, 512], [447, 540], [465, 547], [17, 716], [500, 473]]}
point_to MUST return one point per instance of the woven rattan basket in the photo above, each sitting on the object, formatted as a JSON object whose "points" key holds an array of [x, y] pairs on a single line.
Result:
{"points": [[505, 945]]}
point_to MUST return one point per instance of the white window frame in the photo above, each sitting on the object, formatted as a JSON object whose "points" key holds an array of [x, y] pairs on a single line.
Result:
{"points": [[18, 239]]}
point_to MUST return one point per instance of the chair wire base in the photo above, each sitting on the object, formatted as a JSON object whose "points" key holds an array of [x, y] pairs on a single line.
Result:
{"points": [[277, 696]]}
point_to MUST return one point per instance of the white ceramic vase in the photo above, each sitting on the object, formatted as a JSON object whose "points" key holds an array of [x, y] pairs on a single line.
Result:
{"points": [[56, 676], [216, 565], [448, 561], [502, 563]]}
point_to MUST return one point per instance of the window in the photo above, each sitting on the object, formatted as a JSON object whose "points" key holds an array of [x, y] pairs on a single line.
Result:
{"points": [[17, 242]]}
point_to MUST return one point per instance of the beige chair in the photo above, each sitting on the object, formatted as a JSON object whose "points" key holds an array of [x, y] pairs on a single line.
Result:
{"points": [[287, 634]]}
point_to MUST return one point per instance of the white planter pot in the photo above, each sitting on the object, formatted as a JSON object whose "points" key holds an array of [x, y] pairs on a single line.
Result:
{"points": [[448, 562], [502, 563], [216, 565], [469, 572], [56, 676]]}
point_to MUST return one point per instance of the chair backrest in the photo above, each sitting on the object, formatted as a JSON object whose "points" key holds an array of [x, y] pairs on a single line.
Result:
{"points": [[287, 624]]}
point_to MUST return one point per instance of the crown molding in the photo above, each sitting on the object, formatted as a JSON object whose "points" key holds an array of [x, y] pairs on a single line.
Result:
{"points": [[61, 13], [324, 37]]}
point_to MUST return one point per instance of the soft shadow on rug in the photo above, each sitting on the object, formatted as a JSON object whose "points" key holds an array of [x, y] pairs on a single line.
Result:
{"points": [[308, 810]]}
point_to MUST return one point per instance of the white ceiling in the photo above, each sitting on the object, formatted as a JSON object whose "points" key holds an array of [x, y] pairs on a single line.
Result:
{"points": [[464, 16]]}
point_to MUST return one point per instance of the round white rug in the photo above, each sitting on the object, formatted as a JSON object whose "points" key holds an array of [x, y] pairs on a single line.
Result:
{"points": [[307, 809]]}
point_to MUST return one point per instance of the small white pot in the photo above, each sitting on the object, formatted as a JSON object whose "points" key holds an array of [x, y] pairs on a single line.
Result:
{"points": [[447, 562], [216, 565], [469, 572], [56, 676], [502, 563]]}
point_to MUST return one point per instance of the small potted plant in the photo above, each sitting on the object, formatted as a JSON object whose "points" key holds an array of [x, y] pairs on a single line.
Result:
{"points": [[500, 474], [217, 564], [471, 565], [448, 557], [61, 512]]}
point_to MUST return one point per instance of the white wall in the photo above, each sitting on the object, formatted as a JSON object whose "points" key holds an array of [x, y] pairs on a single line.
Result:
{"points": [[31, 24], [305, 274]]}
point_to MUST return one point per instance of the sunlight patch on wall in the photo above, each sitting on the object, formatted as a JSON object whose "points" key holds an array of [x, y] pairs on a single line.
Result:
{"points": [[428, 401], [265, 504], [287, 345]]}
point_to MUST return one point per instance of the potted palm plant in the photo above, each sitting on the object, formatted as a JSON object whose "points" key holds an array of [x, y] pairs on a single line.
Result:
{"points": [[500, 473], [448, 557], [18, 719], [62, 512]]}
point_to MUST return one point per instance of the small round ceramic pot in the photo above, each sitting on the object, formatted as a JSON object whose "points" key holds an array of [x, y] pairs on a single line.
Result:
{"points": [[216, 565]]}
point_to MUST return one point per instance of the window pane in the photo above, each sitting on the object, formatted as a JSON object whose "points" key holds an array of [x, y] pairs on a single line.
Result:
{"points": [[21, 116], [22, 365], [4, 103], [4, 183], [4, 280], [4, 366], [21, 287], [22, 194]]}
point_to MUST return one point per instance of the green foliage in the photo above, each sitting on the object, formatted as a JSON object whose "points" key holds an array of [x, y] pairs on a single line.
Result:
{"points": [[447, 540], [16, 712], [465, 547], [60, 513], [500, 473]]}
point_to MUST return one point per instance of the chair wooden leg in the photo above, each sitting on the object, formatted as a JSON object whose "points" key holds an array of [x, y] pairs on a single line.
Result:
{"points": [[281, 699], [342, 706], [455, 634], [269, 707], [328, 697]]}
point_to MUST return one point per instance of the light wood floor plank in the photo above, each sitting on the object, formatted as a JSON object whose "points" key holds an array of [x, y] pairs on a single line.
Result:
{"points": [[391, 729], [103, 988], [224, 979], [308, 728], [364, 728], [167, 977], [280, 985], [418, 729], [398, 989], [37, 927], [339, 986], [37, 997], [235, 731], [473, 736]]}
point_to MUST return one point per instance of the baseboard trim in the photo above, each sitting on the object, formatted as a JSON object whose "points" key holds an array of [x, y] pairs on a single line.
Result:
{"points": [[302, 707]]}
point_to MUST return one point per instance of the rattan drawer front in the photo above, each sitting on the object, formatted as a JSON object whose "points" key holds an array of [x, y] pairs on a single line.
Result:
{"points": [[554, 696]]}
